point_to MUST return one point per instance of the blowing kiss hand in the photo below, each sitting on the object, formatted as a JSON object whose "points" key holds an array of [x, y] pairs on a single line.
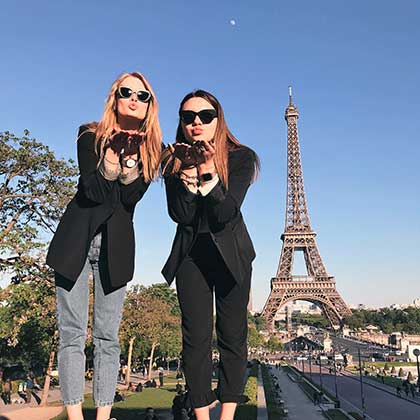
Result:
{"points": [[197, 153], [126, 143]]}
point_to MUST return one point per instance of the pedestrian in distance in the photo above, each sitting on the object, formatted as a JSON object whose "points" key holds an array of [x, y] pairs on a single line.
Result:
{"points": [[118, 158], [207, 173], [150, 414], [7, 392], [413, 390], [160, 378], [29, 386]]}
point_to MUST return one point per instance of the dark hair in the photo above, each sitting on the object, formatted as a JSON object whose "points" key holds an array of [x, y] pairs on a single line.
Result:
{"points": [[224, 140]]}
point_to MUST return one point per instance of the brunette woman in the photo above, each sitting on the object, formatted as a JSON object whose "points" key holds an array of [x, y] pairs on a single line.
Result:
{"points": [[206, 183]]}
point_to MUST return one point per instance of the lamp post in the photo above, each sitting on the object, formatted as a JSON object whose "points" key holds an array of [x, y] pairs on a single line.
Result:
{"points": [[362, 396], [320, 372], [335, 380], [416, 353], [310, 364]]}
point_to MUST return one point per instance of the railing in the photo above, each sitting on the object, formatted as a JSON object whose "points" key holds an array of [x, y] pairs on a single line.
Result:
{"points": [[304, 278]]}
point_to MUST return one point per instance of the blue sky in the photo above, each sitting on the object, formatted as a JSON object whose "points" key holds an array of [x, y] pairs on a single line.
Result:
{"points": [[354, 67]]}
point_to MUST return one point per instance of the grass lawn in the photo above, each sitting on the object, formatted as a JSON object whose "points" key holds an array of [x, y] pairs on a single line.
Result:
{"points": [[335, 414], [248, 411], [390, 364], [134, 405], [161, 400]]}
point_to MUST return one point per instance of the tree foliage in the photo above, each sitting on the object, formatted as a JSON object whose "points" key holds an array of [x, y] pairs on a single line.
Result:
{"points": [[387, 319], [35, 187], [151, 321]]}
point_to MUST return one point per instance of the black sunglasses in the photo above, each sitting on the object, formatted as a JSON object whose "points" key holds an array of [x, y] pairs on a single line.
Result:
{"points": [[206, 116], [142, 95]]}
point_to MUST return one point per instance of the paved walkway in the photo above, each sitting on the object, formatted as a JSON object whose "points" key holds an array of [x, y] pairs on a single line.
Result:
{"points": [[299, 405], [261, 402], [31, 413]]}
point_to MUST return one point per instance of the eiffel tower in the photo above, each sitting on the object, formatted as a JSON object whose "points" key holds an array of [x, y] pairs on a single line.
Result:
{"points": [[317, 286]]}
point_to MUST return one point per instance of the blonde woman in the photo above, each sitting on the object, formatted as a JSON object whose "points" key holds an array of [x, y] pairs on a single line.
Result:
{"points": [[118, 158], [212, 252]]}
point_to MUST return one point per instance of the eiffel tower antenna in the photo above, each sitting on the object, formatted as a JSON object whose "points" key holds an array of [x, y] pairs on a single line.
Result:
{"points": [[317, 286]]}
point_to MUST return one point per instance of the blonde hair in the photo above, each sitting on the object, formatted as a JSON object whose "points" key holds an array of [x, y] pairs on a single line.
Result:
{"points": [[224, 140], [151, 147]]}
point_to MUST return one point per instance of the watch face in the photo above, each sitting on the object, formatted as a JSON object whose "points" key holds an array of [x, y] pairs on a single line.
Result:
{"points": [[130, 163], [207, 177]]}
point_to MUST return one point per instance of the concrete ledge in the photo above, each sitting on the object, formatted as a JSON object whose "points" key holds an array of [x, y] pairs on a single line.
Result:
{"points": [[262, 413]]}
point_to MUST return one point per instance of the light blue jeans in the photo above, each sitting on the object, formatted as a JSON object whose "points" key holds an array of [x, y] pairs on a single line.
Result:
{"points": [[72, 315]]}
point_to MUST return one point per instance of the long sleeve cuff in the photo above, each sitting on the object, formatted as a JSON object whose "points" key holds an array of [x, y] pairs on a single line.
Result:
{"points": [[208, 186], [109, 170], [130, 176]]}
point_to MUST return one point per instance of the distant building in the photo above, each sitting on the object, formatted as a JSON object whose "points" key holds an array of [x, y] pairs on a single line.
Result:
{"points": [[405, 342]]}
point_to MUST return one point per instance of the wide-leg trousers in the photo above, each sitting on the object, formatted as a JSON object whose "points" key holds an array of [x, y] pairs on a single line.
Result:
{"points": [[202, 275]]}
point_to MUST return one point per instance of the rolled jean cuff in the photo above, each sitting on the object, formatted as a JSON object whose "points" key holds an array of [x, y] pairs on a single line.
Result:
{"points": [[73, 402], [103, 403], [202, 400]]}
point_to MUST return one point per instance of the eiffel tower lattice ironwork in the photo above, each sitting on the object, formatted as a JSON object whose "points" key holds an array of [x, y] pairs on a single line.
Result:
{"points": [[317, 286]]}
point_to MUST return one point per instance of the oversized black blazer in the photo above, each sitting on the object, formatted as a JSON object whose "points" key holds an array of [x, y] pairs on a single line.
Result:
{"points": [[226, 224], [97, 202]]}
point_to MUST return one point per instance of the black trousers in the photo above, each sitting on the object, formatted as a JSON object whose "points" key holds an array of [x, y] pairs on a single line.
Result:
{"points": [[202, 274]]}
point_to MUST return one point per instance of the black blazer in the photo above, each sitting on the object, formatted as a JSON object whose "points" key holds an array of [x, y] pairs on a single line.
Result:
{"points": [[227, 227], [98, 204]]}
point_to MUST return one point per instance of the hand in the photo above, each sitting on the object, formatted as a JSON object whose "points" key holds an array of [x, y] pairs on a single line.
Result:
{"points": [[204, 151], [128, 141], [118, 141], [133, 143], [184, 153]]}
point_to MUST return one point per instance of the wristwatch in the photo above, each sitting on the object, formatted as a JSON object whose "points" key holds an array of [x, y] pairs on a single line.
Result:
{"points": [[129, 163], [206, 177]]}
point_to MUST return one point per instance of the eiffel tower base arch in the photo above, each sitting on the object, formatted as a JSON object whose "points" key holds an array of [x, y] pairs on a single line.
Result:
{"points": [[321, 292]]}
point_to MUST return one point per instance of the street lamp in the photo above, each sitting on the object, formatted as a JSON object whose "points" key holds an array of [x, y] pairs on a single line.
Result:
{"points": [[310, 363], [335, 380], [416, 353], [361, 385], [320, 372]]}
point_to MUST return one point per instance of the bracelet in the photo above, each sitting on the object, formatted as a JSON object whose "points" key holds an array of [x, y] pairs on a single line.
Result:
{"points": [[189, 176], [185, 181], [206, 177], [188, 167], [111, 162]]}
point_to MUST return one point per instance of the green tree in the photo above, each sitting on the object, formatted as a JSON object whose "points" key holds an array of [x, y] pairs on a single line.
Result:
{"points": [[150, 319], [258, 321], [27, 319], [274, 344], [35, 187], [255, 339]]}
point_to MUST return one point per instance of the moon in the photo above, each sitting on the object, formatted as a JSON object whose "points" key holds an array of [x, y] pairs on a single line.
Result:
{"points": [[232, 22]]}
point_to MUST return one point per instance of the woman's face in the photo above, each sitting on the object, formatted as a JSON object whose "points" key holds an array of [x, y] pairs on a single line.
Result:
{"points": [[198, 129], [129, 106]]}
